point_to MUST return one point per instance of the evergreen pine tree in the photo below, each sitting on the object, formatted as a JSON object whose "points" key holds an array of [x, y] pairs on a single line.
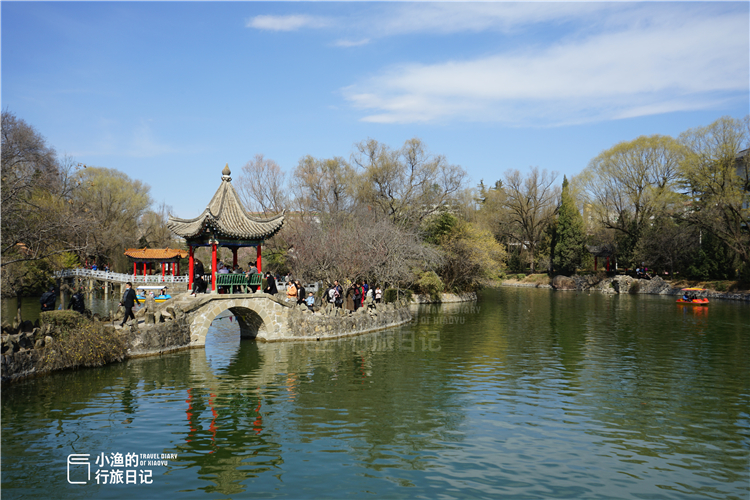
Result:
{"points": [[570, 245]]}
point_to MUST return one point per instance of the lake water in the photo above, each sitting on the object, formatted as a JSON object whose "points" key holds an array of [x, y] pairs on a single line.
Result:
{"points": [[525, 394], [30, 307]]}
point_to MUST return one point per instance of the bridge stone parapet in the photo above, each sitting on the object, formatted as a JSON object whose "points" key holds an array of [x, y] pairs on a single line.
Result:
{"points": [[330, 323], [271, 318]]}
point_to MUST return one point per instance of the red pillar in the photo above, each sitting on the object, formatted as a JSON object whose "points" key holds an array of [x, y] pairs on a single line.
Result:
{"points": [[191, 263], [213, 267], [258, 260], [145, 272], [607, 264], [135, 269], [234, 257], [162, 270], [172, 265]]}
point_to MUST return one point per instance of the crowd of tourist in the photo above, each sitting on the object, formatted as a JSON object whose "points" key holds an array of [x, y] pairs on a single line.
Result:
{"points": [[351, 299], [94, 267], [356, 296]]}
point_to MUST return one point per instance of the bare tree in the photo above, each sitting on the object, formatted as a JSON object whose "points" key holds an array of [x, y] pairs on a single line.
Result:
{"points": [[262, 186], [323, 186], [716, 173], [631, 182], [38, 218], [152, 228], [530, 203], [408, 184], [343, 247]]}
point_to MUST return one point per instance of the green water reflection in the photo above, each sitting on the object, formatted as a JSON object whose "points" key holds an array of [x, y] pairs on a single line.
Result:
{"points": [[30, 307], [525, 394]]}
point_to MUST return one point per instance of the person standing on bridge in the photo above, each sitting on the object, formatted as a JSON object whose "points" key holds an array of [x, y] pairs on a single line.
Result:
{"points": [[128, 299], [300, 292], [270, 285], [291, 292], [250, 275]]}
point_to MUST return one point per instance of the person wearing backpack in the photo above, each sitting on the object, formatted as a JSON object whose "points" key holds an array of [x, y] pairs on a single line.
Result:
{"points": [[338, 296]]}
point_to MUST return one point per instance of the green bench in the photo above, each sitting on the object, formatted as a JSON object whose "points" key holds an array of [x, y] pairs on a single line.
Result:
{"points": [[235, 281]]}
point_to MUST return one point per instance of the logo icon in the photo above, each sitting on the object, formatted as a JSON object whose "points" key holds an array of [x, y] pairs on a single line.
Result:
{"points": [[77, 461]]}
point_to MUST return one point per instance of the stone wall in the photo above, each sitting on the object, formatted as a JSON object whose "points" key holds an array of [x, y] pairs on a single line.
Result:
{"points": [[329, 322], [20, 357], [157, 338]]}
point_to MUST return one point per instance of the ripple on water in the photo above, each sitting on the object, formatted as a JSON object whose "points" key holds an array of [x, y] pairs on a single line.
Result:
{"points": [[583, 397]]}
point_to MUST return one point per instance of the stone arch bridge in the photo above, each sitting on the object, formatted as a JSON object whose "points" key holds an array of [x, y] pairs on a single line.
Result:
{"points": [[260, 316], [271, 318]]}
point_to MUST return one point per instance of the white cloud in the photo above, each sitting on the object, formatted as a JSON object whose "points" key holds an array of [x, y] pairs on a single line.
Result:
{"points": [[392, 19], [287, 23], [651, 67], [460, 17], [351, 43]]}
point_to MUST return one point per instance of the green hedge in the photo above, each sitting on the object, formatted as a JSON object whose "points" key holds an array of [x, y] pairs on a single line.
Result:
{"points": [[67, 321]]}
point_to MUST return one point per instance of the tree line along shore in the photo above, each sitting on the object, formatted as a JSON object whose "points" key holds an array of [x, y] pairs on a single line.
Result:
{"points": [[405, 217]]}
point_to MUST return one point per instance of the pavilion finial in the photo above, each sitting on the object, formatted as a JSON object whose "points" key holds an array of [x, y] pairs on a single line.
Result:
{"points": [[225, 174]]}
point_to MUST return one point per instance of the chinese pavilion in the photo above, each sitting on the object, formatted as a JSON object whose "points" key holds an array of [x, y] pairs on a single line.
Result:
{"points": [[149, 256], [225, 223]]}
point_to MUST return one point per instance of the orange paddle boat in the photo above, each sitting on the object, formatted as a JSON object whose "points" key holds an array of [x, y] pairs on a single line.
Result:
{"points": [[690, 299]]}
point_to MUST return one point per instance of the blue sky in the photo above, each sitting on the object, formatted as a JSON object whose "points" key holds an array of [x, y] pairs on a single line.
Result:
{"points": [[170, 92]]}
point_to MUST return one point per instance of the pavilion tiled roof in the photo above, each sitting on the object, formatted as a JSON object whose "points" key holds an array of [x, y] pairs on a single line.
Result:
{"points": [[156, 253], [226, 217]]}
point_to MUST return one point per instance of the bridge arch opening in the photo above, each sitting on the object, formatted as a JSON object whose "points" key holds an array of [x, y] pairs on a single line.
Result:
{"points": [[251, 322], [259, 316], [229, 341]]}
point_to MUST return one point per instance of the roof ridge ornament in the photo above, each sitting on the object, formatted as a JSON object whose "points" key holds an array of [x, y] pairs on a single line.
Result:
{"points": [[225, 174]]}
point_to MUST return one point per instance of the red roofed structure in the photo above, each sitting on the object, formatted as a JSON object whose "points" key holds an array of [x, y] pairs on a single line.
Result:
{"points": [[148, 256]]}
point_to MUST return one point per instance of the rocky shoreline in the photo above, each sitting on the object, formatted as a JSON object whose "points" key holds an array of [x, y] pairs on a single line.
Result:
{"points": [[623, 284], [67, 340]]}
